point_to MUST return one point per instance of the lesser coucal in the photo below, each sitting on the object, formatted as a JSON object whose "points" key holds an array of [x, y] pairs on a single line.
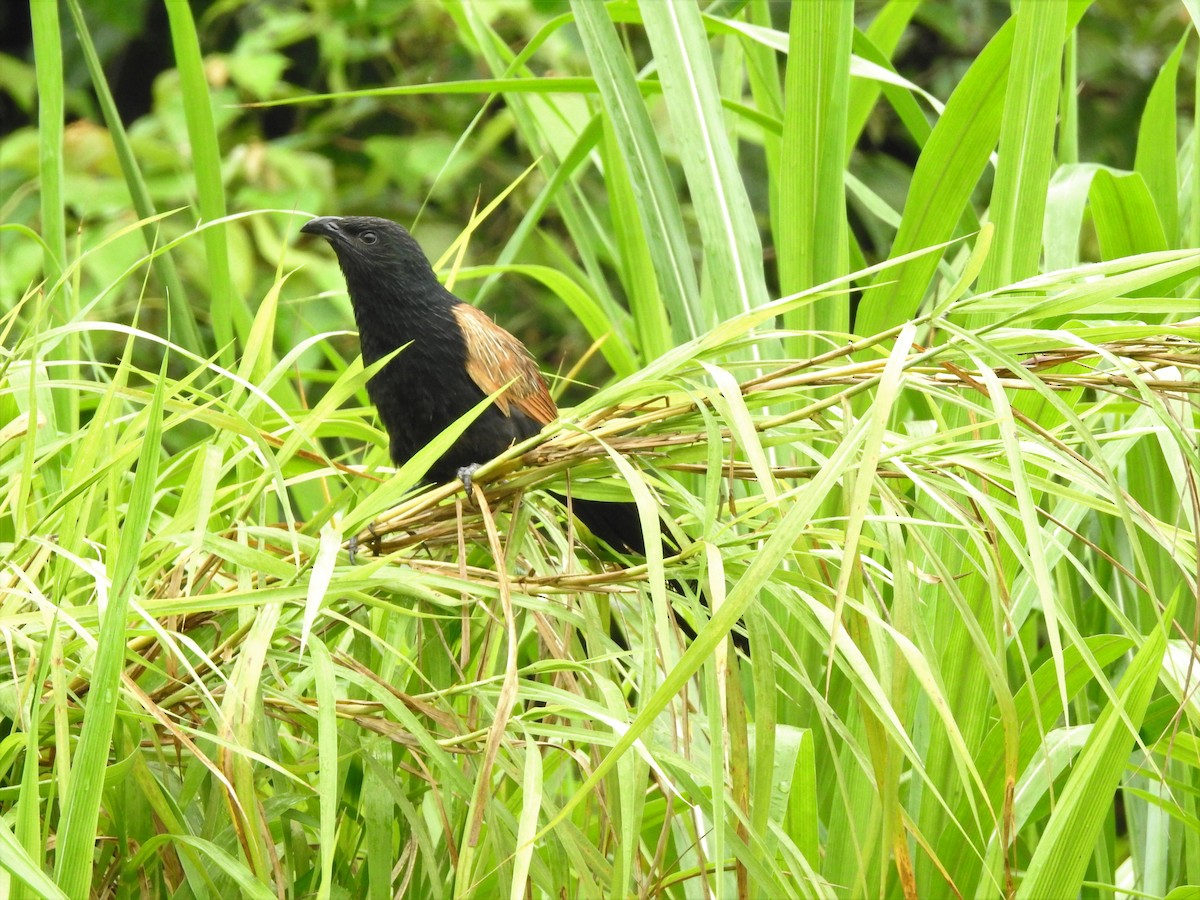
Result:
{"points": [[453, 357]]}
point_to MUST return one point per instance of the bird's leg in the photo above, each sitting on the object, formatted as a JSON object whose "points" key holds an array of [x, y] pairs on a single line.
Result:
{"points": [[352, 544], [465, 475]]}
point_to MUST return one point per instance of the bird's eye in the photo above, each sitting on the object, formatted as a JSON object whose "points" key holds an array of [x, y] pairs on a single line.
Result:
{"points": [[368, 237]]}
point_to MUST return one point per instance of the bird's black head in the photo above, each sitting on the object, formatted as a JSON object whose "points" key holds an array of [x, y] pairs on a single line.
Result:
{"points": [[374, 252]]}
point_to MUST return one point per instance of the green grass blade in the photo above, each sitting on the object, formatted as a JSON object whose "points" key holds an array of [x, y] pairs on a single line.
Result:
{"points": [[47, 49], [327, 754], [532, 786], [884, 33], [1062, 853], [1026, 143], [243, 879], [81, 809], [228, 315], [651, 322], [1193, 232], [949, 167], [732, 248], [1066, 201], [762, 71], [1156, 159], [15, 860], [768, 560], [813, 245], [183, 318], [1068, 111], [657, 206], [1125, 216], [64, 302], [902, 99]]}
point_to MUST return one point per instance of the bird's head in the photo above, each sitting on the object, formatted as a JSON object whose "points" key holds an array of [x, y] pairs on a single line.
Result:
{"points": [[375, 251]]}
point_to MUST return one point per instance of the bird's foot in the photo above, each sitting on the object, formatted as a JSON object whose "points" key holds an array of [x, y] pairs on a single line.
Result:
{"points": [[353, 544], [466, 475]]}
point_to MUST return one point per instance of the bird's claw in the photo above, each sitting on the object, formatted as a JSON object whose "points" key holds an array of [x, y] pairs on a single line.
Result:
{"points": [[466, 476], [353, 544]]}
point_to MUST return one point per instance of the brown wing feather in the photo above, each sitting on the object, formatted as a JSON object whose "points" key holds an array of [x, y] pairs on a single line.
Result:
{"points": [[495, 357]]}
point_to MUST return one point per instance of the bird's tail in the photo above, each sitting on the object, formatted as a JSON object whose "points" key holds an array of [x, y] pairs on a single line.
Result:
{"points": [[619, 525], [614, 522]]}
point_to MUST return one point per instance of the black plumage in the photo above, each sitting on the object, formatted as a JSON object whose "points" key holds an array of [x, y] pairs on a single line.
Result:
{"points": [[453, 356]]}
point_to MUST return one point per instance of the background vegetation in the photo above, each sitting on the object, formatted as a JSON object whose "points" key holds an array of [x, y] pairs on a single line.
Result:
{"points": [[886, 311]]}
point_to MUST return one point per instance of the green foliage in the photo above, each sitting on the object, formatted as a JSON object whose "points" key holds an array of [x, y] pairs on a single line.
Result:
{"points": [[943, 473]]}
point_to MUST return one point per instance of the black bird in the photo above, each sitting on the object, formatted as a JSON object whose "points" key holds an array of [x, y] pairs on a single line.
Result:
{"points": [[453, 357]]}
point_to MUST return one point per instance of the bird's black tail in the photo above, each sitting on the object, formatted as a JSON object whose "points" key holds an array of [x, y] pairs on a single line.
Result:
{"points": [[615, 523], [619, 525]]}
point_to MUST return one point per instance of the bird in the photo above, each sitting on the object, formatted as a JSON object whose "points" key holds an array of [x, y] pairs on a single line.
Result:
{"points": [[451, 356]]}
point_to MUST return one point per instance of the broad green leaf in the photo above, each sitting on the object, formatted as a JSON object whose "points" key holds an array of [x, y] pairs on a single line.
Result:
{"points": [[1127, 222], [1157, 139]]}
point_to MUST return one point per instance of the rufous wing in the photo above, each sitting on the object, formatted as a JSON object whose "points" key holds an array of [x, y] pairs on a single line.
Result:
{"points": [[495, 357]]}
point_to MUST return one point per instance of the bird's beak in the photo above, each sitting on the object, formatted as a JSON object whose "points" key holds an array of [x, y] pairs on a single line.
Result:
{"points": [[326, 226]]}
